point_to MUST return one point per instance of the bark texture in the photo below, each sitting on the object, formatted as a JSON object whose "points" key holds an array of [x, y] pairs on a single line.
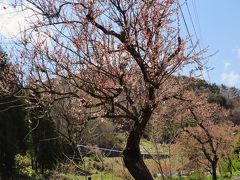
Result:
{"points": [[132, 156]]}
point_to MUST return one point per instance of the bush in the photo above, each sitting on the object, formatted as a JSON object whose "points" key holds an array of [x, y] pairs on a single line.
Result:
{"points": [[199, 175], [227, 169], [218, 98], [23, 165], [103, 135], [96, 155], [99, 166]]}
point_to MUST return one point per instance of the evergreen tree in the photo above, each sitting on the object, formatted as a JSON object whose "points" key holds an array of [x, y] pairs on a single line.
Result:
{"points": [[45, 143], [13, 129], [13, 125]]}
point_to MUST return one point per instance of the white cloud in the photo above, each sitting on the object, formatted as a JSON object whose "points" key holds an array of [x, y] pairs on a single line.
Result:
{"points": [[226, 65], [13, 19], [231, 79]]}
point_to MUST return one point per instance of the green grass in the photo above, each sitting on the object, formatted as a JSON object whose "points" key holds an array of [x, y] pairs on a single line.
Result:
{"points": [[104, 176], [114, 167], [148, 146], [109, 176]]}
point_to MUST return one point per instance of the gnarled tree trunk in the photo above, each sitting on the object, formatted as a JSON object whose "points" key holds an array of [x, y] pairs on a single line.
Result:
{"points": [[132, 156]]}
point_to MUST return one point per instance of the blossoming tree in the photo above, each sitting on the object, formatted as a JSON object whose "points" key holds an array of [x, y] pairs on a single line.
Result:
{"points": [[117, 56]]}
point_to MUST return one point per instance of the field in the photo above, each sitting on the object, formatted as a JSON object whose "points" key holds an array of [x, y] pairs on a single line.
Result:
{"points": [[113, 168]]}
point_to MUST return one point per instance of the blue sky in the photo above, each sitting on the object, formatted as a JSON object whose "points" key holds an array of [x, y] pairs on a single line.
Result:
{"points": [[218, 30]]}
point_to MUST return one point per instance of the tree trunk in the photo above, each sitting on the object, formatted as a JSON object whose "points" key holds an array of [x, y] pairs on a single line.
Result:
{"points": [[214, 169], [133, 159], [132, 156]]}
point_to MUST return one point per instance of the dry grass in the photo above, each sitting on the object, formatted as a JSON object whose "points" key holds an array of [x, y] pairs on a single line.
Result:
{"points": [[114, 167]]}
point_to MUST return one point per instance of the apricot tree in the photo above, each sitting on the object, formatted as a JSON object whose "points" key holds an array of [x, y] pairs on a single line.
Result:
{"points": [[204, 129], [116, 56]]}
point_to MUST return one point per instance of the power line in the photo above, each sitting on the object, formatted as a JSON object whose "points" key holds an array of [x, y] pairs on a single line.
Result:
{"points": [[194, 29], [197, 19], [186, 26], [185, 23], [200, 31], [195, 32]]}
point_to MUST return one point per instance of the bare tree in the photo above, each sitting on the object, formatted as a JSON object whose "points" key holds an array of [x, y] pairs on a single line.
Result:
{"points": [[116, 56]]}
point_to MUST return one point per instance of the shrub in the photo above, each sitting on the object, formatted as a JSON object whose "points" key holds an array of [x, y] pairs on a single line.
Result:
{"points": [[23, 165]]}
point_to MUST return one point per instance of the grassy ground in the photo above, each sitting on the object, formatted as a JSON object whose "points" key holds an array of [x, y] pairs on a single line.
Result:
{"points": [[105, 168], [117, 171], [101, 176], [115, 167], [109, 176]]}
